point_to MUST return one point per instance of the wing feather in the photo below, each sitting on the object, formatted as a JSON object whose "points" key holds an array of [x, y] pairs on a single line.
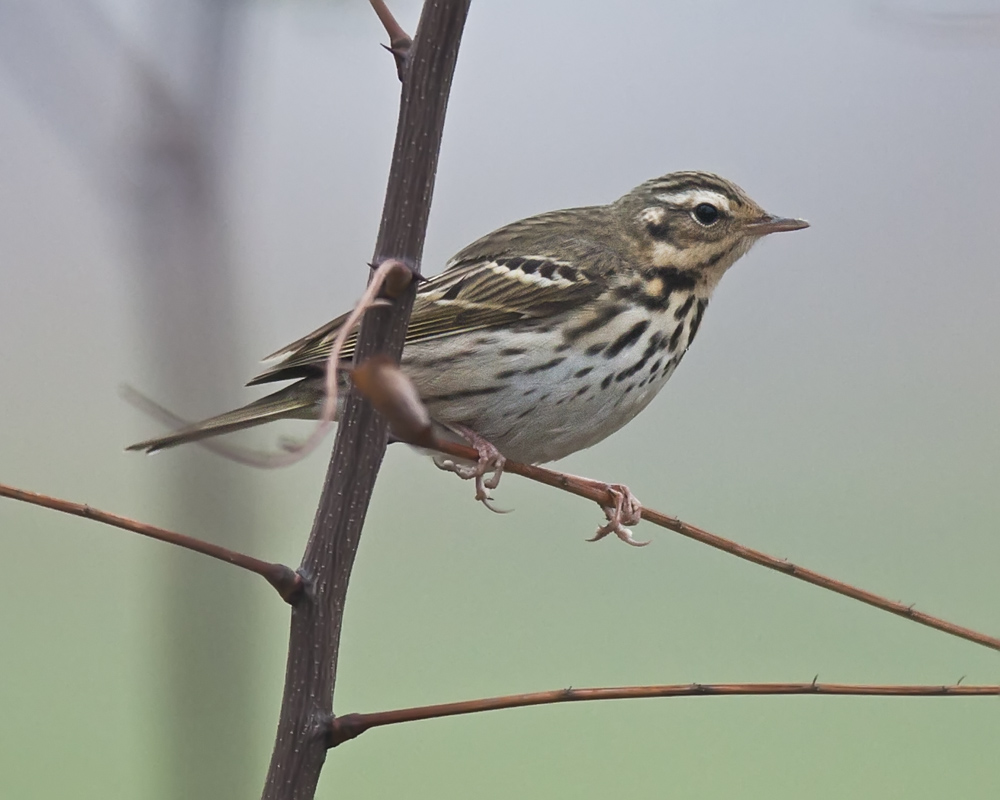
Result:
{"points": [[468, 296]]}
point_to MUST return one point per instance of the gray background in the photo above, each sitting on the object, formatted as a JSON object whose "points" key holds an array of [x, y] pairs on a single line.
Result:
{"points": [[839, 409]]}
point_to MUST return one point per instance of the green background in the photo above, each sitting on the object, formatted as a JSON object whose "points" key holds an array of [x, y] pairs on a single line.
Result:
{"points": [[839, 409]]}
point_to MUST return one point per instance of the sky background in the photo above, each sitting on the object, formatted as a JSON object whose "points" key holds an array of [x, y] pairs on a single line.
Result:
{"points": [[840, 409]]}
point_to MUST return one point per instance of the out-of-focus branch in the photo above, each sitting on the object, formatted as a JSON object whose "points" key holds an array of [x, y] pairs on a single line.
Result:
{"points": [[64, 58], [349, 726], [307, 703], [287, 583]]}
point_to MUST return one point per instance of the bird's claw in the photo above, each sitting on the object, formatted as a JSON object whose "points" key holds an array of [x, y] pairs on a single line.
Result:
{"points": [[626, 511], [491, 462]]}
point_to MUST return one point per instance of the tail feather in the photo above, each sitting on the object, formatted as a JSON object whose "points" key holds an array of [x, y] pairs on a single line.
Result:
{"points": [[299, 401]]}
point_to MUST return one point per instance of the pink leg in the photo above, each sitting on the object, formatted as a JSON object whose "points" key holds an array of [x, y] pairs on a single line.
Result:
{"points": [[491, 460], [626, 511]]}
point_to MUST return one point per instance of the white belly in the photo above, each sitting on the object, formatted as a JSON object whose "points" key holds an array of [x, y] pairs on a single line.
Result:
{"points": [[538, 401]]}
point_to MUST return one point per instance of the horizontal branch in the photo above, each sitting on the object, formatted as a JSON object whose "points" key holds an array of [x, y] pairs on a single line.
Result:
{"points": [[286, 581], [349, 726]]}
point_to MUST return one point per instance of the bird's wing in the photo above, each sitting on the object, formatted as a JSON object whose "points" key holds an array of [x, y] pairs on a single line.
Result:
{"points": [[473, 293]]}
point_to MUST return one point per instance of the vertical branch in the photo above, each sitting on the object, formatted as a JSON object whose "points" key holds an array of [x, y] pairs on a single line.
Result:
{"points": [[307, 702]]}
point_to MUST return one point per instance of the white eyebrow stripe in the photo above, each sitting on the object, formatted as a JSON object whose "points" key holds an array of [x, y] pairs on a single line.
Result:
{"points": [[692, 197]]}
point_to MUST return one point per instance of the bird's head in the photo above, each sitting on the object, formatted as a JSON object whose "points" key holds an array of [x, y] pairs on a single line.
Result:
{"points": [[695, 221]]}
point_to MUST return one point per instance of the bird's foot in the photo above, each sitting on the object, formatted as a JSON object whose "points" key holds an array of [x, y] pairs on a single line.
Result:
{"points": [[626, 511], [491, 462]]}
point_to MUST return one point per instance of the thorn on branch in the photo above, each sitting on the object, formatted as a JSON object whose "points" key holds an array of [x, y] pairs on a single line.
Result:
{"points": [[400, 50], [400, 41]]}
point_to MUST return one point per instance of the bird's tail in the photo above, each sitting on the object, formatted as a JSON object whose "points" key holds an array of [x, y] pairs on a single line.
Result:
{"points": [[301, 400]]}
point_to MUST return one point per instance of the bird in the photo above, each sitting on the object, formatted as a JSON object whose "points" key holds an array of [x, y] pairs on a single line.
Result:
{"points": [[549, 334]]}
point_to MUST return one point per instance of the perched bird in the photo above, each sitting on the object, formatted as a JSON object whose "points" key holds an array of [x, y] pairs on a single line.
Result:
{"points": [[549, 334]]}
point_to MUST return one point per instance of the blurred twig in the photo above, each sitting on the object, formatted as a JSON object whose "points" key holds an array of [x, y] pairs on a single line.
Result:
{"points": [[149, 119]]}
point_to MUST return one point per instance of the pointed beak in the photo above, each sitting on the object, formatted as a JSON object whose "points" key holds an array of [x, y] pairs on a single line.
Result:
{"points": [[770, 224]]}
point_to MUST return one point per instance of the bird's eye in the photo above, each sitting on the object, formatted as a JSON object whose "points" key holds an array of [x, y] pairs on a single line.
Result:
{"points": [[705, 214]]}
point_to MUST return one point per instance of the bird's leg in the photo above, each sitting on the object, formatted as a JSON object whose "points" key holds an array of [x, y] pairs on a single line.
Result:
{"points": [[626, 511], [491, 460]]}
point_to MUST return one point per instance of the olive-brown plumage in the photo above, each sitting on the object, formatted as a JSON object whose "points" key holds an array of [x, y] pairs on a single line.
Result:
{"points": [[549, 334]]}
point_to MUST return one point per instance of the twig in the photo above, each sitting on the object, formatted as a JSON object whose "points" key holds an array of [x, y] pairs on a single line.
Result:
{"points": [[583, 487], [394, 395], [389, 268], [391, 278], [287, 582], [399, 41], [392, 28], [349, 726]]}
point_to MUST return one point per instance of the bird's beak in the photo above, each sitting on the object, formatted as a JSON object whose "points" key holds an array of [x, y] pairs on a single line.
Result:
{"points": [[771, 224]]}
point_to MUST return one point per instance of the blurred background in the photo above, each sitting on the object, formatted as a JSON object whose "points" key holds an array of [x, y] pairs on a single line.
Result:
{"points": [[186, 186]]}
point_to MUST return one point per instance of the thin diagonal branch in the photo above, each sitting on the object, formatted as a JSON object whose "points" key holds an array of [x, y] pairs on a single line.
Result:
{"points": [[399, 40], [384, 383], [397, 36], [395, 396], [287, 583], [388, 270], [583, 487], [349, 726]]}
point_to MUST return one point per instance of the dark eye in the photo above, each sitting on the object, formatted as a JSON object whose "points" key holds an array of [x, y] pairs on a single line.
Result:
{"points": [[706, 214]]}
